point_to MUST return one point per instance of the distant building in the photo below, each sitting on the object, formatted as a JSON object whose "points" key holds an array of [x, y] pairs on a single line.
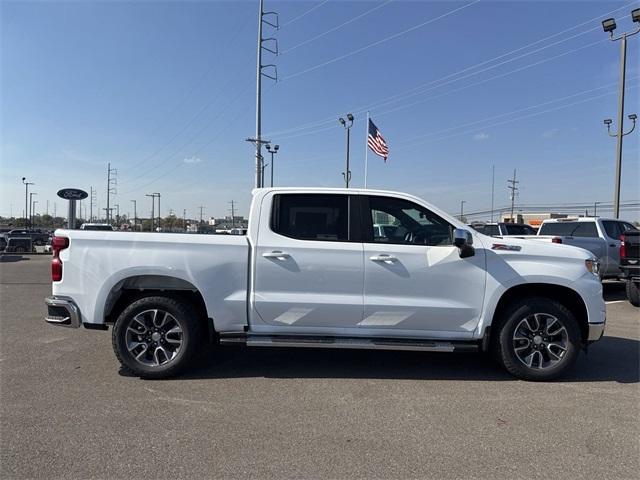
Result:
{"points": [[533, 219]]}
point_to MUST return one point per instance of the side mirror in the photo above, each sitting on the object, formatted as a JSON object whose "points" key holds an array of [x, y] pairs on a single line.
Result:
{"points": [[464, 241]]}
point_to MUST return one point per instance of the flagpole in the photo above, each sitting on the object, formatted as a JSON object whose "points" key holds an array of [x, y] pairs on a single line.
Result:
{"points": [[366, 150]]}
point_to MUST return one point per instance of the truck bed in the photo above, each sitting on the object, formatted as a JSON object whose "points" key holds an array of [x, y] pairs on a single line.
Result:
{"points": [[217, 264]]}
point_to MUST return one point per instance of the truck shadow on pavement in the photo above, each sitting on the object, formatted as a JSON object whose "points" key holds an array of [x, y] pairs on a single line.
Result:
{"points": [[8, 258], [613, 291], [612, 359]]}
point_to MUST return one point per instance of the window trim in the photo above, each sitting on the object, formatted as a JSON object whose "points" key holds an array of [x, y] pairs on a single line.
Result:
{"points": [[367, 222], [353, 217]]}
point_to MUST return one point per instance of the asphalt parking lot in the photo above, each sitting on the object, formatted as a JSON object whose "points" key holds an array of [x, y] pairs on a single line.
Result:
{"points": [[67, 411]]}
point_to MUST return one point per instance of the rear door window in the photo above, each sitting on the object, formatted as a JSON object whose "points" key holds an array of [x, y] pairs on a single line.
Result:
{"points": [[612, 228], [311, 217], [570, 229]]}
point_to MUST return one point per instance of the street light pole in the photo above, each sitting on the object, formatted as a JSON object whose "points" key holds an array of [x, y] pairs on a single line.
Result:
{"points": [[31, 208], [26, 199], [153, 204], [609, 26], [347, 125], [135, 216], [272, 150]]}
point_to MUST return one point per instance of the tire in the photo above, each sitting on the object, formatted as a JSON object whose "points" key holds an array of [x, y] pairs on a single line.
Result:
{"points": [[633, 293], [537, 339], [157, 337]]}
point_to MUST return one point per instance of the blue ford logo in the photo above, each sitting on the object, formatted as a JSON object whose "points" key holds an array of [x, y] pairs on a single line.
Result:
{"points": [[72, 194]]}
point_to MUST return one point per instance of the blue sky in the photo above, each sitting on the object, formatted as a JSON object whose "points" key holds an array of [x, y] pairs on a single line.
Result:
{"points": [[165, 91]]}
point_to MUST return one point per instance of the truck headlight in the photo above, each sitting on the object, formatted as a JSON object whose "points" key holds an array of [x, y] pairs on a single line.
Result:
{"points": [[592, 265]]}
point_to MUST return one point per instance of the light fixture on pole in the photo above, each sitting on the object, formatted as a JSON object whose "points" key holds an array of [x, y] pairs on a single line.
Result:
{"points": [[347, 124], [272, 150], [609, 26]]}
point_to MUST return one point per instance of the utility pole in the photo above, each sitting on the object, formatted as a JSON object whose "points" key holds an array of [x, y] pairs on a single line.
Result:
{"points": [[55, 209], [514, 189], [159, 215], [47, 208], [26, 199], [259, 74], [135, 216], [153, 204], [233, 214], [111, 188], [260, 169], [462, 202], [493, 183], [184, 219], [201, 208]]}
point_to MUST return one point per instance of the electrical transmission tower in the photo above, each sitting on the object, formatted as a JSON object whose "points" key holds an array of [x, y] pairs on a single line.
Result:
{"points": [[92, 203], [514, 190], [270, 45], [112, 182]]}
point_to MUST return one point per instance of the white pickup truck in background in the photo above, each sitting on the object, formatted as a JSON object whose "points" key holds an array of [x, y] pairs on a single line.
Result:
{"points": [[313, 271], [601, 236]]}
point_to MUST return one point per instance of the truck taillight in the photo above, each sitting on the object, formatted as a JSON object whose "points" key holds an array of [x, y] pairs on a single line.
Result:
{"points": [[556, 240], [623, 248], [57, 244]]}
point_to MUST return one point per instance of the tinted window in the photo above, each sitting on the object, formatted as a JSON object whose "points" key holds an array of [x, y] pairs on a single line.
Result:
{"points": [[612, 228], [519, 229], [311, 216], [407, 223], [570, 229], [624, 226]]}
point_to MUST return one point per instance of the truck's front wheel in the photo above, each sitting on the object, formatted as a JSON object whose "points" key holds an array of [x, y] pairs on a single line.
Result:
{"points": [[156, 337], [537, 339]]}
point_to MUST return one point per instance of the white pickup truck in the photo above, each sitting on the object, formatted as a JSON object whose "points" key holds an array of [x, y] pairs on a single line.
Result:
{"points": [[311, 272]]}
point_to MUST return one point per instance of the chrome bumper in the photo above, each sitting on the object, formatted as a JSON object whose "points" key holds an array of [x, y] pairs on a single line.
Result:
{"points": [[62, 311], [596, 330]]}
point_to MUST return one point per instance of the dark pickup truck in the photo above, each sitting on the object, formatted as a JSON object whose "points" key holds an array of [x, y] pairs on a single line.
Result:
{"points": [[630, 264]]}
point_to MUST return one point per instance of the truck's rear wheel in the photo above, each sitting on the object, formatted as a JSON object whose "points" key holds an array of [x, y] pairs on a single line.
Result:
{"points": [[538, 339], [633, 293], [157, 337]]}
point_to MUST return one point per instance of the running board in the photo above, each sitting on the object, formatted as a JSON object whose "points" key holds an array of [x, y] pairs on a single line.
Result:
{"points": [[348, 342]]}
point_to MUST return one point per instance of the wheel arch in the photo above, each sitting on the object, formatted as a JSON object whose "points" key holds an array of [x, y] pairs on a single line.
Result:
{"points": [[134, 287], [566, 296]]}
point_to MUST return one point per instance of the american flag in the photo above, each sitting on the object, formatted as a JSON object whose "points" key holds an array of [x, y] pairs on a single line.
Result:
{"points": [[376, 141]]}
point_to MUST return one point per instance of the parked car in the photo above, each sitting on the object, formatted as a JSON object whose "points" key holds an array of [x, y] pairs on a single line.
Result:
{"points": [[16, 244], [312, 273], [600, 236], [3, 242], [504, 228], [38, 237], [630, 264], [97, 226]]}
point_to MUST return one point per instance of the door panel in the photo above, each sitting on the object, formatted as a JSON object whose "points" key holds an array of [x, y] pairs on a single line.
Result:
{"points": [[303, 281], [414, 278]]}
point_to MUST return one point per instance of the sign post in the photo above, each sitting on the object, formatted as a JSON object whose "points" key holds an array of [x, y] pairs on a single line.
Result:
{"points": [[72, 194]]}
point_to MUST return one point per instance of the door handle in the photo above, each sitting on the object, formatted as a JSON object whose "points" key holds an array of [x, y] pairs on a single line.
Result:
{"points": [[383, 258], [276, 254]]}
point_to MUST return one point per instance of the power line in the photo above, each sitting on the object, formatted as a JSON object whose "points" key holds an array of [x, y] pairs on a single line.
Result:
{"points": [[338, 27], [379, 42], [399, 96], [295, 19]]}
